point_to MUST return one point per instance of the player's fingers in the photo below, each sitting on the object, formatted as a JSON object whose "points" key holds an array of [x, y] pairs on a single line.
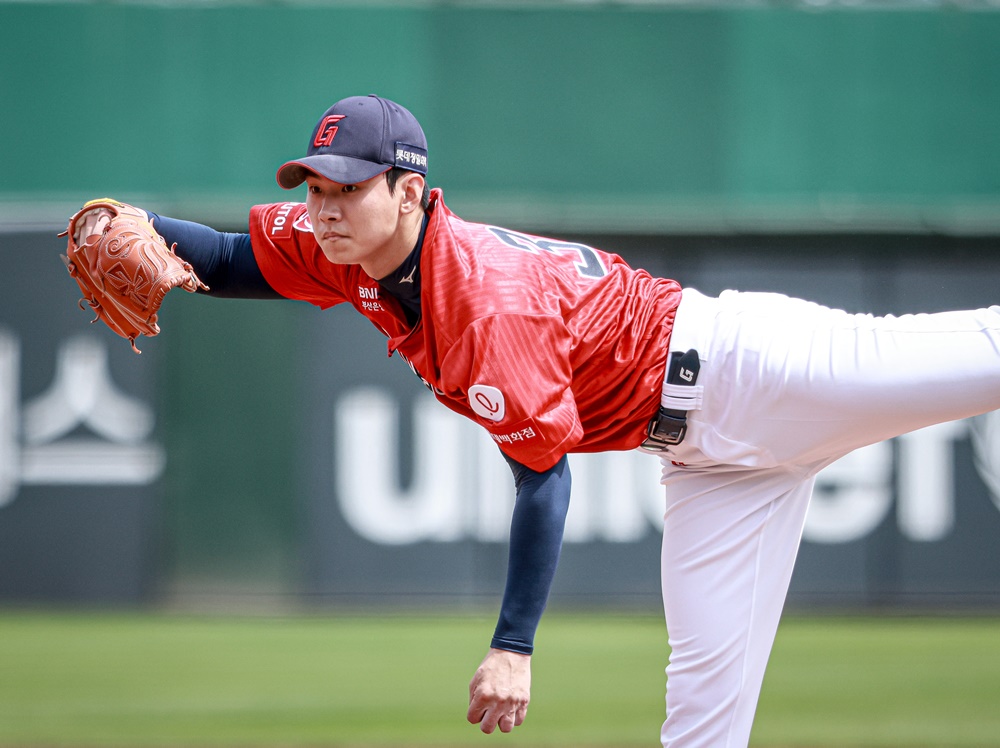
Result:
{"points": [[101, 223], [484, 705], [520, 714], [491, 709], [477, 707], [489, 721], [94, 222], [475, 714], [502, 716], [481, 712]]}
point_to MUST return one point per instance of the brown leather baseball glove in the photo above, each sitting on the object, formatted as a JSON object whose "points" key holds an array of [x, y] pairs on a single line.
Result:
{"points": [[123, 267]]}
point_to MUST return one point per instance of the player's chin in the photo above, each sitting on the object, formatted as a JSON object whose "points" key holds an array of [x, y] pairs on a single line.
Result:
{"points": [[337, 252]]}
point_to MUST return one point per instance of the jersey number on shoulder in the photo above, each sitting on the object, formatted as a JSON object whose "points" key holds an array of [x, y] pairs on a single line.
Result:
{"points": [[588, 263]]}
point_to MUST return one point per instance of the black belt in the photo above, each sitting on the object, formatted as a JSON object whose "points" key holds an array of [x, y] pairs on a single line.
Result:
{"points": [[668, 427]]}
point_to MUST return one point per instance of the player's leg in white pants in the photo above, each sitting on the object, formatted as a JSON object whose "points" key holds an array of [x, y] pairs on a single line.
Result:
{"points": [[726, 563], [789, 387]]}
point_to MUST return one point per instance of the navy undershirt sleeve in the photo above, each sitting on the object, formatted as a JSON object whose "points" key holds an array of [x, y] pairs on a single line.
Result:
{"points": [[223, 261], [536, 534]]}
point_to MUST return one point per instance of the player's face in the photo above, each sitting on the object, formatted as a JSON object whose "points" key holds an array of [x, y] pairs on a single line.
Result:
{"points": [[356, 224]]}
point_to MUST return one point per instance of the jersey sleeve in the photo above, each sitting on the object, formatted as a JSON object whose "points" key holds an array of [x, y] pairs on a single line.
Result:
{"points": [[289, 257], [224, 261], [514, 373]]}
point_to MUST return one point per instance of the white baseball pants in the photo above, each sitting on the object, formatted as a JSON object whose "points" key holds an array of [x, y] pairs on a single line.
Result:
{"points": [[786, 387]]}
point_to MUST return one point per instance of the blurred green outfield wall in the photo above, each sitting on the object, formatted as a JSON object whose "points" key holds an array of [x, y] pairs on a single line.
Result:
{"points": [[601, 116]]}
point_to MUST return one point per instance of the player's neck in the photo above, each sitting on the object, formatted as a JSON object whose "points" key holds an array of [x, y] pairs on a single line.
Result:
{"points": [[398, 248]]}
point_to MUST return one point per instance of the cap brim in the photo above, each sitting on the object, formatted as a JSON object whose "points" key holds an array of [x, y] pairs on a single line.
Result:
{"points": [[341, 169]]}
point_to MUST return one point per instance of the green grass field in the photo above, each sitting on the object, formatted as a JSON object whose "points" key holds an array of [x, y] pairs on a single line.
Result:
{"points": [[160, 680]]}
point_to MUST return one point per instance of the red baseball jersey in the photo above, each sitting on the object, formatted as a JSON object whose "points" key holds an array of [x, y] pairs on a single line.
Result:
{"points": [[551, 346]]}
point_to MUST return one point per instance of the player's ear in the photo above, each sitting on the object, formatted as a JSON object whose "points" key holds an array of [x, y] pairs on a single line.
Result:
{"points": [[411, 185]]}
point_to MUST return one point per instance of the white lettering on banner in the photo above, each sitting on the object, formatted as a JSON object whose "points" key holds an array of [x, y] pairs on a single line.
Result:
{"points": [[461, 488], [985, 431], [431, 508], [10, 366], [926, 508], [852, 496], [82, 395]]}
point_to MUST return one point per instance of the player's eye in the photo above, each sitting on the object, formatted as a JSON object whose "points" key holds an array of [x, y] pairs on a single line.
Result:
{"points": [[350, 188]]}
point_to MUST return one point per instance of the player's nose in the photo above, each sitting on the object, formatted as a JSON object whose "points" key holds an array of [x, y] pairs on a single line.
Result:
{"points": [[329, 209]]}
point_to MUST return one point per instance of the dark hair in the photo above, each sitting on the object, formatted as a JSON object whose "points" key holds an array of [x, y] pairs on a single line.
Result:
{"points": [[392, 176]]}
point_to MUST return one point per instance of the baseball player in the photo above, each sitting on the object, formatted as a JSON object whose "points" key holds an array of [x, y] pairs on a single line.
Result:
{"points": [[556, 347]]}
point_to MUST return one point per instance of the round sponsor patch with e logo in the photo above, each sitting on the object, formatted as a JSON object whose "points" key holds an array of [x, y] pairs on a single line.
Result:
{"points": [[487, 402]]}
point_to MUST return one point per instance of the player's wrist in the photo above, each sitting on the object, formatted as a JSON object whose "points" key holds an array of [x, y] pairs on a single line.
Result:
{"points": [[512, 645]]}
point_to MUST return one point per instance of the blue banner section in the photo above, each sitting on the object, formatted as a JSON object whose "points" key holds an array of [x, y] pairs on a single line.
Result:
{"points": [[268, 448], [82, 450]]}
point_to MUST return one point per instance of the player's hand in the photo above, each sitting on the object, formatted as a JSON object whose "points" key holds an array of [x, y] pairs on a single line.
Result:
{"points": [[94, 222], [500, 691]]}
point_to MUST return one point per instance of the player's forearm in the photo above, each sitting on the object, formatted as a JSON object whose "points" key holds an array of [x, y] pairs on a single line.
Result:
{"points": [[224, 261], [535, 543]]}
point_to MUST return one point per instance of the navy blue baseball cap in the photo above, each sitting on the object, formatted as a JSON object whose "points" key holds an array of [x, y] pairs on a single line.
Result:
{"points": [[359, 138]]}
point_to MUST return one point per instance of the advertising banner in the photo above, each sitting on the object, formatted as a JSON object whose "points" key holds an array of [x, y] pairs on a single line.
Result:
{"points": [[387, 497], [406, 500], [80, 451]]}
